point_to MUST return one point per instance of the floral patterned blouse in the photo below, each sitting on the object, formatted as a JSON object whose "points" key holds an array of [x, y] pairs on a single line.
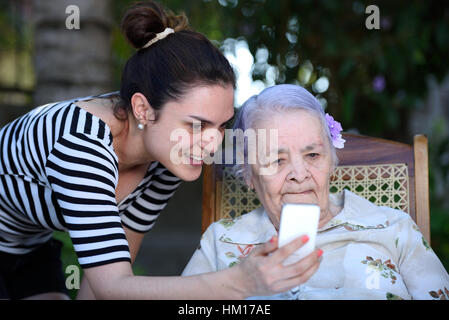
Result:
{"points": [[370, 252]]}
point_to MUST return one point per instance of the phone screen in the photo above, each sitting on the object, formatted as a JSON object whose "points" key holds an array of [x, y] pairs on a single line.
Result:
{"points": [[298, 220]]}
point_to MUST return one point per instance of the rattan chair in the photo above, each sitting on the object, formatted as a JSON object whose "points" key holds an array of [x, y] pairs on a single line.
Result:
{"points": [[385, 172]]}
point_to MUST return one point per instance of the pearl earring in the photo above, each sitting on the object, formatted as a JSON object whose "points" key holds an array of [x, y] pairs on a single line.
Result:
{"points": [[140, 126]]}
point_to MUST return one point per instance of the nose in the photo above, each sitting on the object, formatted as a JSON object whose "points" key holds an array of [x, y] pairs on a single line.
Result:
{"points": [[211, 139], [299, 170]]}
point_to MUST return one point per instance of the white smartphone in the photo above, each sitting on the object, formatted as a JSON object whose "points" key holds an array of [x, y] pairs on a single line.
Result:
{"points": [[298, 220]]}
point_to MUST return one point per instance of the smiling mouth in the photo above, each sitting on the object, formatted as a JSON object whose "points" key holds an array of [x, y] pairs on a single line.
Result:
{"points": [[195, 161], [196, 158]]}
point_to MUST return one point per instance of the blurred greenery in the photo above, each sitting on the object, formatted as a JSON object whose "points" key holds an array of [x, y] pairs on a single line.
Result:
{"points": [[377, 78], [16, 43]]}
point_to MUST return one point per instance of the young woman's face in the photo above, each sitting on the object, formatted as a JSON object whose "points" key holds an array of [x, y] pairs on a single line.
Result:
{"points": [[188, 130]]}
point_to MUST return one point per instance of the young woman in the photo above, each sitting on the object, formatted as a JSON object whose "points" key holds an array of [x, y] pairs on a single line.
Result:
{"points": [[102, 168]]}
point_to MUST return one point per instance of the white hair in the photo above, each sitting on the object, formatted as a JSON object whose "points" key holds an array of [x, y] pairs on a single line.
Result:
{"points": [[275, 99]]}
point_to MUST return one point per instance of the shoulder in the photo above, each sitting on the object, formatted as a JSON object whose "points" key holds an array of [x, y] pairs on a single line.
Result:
{"points": [[89, 125], [363, 210], [81, 147], [64, 120], [80, 130]]}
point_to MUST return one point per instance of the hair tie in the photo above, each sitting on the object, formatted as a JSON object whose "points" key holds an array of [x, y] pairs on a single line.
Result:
{"points": [[159, 36]]}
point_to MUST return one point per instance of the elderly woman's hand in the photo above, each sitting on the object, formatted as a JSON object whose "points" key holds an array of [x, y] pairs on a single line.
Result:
{"points": [[264, 272]]}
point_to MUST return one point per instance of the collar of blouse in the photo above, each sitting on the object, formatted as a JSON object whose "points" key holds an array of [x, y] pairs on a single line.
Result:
{"points": [[357, 214]]}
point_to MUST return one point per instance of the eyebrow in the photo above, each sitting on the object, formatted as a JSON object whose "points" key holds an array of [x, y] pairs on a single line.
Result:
{"points": [[210, 122], [307, 148], [311, 147]]}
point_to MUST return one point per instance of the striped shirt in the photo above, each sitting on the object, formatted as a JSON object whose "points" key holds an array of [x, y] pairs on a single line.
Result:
{"points": [[59, 171]]}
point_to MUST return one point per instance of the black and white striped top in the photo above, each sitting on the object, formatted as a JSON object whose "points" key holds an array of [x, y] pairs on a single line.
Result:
{"points": [[58, 171]]}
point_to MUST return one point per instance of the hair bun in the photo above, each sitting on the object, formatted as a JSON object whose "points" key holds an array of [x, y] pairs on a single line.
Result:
{"points": [[143, 20]]}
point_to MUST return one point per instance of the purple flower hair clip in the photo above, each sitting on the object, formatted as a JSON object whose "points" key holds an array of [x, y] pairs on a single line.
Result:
{"points": [[335, 129]]}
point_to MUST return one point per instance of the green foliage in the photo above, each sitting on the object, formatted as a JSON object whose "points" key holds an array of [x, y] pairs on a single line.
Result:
{"points": [[330, 35], [438, 182], [6, 27], [412, 43], [440, 232]]}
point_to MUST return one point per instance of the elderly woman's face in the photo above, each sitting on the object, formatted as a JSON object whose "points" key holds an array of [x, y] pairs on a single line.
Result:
{"points": [[304, 164]]}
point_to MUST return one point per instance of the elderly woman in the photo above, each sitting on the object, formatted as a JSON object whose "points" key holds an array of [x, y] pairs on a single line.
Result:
{"points": [[368, 252]]}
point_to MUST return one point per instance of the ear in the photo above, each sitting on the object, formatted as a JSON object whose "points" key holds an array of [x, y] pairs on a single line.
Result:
{"points": [[142, 110]]}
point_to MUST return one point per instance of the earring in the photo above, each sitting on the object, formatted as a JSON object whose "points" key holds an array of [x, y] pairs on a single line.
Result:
{"points": [[140, 126]]}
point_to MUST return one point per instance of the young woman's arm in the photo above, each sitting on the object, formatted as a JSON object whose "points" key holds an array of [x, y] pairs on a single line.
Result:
{"points": [[134, 243], [262, 273]]}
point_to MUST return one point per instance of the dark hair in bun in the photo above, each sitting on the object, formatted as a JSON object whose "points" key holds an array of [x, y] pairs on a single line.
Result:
{"points": [[167, 69], [143, 20]]}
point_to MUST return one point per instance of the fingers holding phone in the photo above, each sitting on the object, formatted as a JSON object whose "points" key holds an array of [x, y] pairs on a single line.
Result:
{"points": [[290, 259], [295, 272]]}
